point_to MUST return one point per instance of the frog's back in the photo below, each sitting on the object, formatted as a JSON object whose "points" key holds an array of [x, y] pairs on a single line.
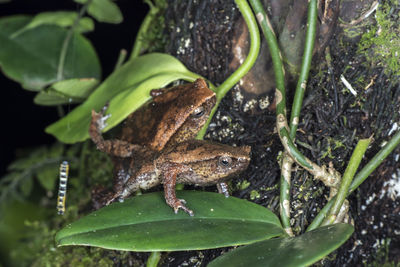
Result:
{"points": [[158, 122]]}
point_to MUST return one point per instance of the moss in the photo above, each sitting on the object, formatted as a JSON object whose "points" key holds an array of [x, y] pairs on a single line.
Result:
{"points": [[381, 44], [254, 194], [30, 228]]}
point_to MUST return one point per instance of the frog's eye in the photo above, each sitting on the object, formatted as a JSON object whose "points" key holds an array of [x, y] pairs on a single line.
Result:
{"points": [[225, 161], [198, 112]]}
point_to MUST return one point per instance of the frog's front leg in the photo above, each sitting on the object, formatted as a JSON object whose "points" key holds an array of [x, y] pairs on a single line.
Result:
{"points": [[223, 189], [114, 147], [170, 172]]}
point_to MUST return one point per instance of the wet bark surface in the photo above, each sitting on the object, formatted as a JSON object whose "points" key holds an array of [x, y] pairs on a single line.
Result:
{"points": [[210, 38]]}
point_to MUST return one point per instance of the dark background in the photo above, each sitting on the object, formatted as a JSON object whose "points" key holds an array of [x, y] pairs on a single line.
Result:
{"points": [[22, 121]]}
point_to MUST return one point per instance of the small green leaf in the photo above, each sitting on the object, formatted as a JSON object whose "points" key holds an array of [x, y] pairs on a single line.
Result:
{"points": [[52, 98], [76, 88], [156, 70], [59, 18], [48, 176], [66, 91], [302, 250], [104, 11], [32, 158], [146, 223], [32, 57], [26, 186]]}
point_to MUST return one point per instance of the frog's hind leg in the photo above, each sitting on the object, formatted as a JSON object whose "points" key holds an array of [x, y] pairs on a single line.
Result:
{"points": [[114, 147]]}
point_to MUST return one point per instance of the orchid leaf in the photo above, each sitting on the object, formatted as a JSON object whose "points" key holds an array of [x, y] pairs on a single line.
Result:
{"points": [[302, 250], [147, 223]]}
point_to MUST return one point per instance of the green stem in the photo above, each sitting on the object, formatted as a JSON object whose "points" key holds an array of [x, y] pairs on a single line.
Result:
{"points": [[64, 48], [121, 59], [153, 259], [348, 175], [360, 177], [375, 161], [137, 47], [276, 56], [305, 67], [245, 67], [279, 71]]}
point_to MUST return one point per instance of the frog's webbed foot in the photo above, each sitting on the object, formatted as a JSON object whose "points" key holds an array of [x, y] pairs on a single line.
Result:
{"points": [[223, 189], [114, 147]]}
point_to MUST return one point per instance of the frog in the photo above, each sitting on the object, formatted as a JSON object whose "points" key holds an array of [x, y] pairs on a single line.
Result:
{"points": [[174, 115], [197, 162]]}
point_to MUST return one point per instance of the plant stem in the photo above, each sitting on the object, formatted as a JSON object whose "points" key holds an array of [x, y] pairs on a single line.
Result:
{"points": [[276, 56], [375, 161], [137, 47], [279, 71], [153, 259], [121, 59], [360, 177], [305, 67], [245, 67], [64, 48], [348, 175], [284, 198]]}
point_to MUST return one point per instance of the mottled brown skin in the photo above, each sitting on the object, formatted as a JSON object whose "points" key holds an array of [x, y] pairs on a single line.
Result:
{"points": [[195, 162], [175, 115]]}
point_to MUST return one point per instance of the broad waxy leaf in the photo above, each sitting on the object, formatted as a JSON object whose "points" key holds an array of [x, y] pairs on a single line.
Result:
{"points": [[297, 251], [147, 223], [138, 76], [66, 91], [32, 57], [104, 11]]}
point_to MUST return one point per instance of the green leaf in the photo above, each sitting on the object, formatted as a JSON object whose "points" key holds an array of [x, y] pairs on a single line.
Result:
{"points": [[26, 186], [104, 11], [48, 176], [32, 57], [60, 18], [302, 250], [66, 91], [146, 223], [155, 70]]}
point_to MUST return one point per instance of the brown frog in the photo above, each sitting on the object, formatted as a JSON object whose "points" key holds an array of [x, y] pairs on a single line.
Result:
{"points": [[175, 115], [195, 162]]}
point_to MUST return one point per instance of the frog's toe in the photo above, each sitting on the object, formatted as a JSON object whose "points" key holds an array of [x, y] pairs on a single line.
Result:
{"points": [[102, 121], [180, 205], [182, 200]]}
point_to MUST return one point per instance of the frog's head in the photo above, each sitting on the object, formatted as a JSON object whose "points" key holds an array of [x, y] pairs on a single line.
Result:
{"points": [[210, 163], [189, 110]]}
